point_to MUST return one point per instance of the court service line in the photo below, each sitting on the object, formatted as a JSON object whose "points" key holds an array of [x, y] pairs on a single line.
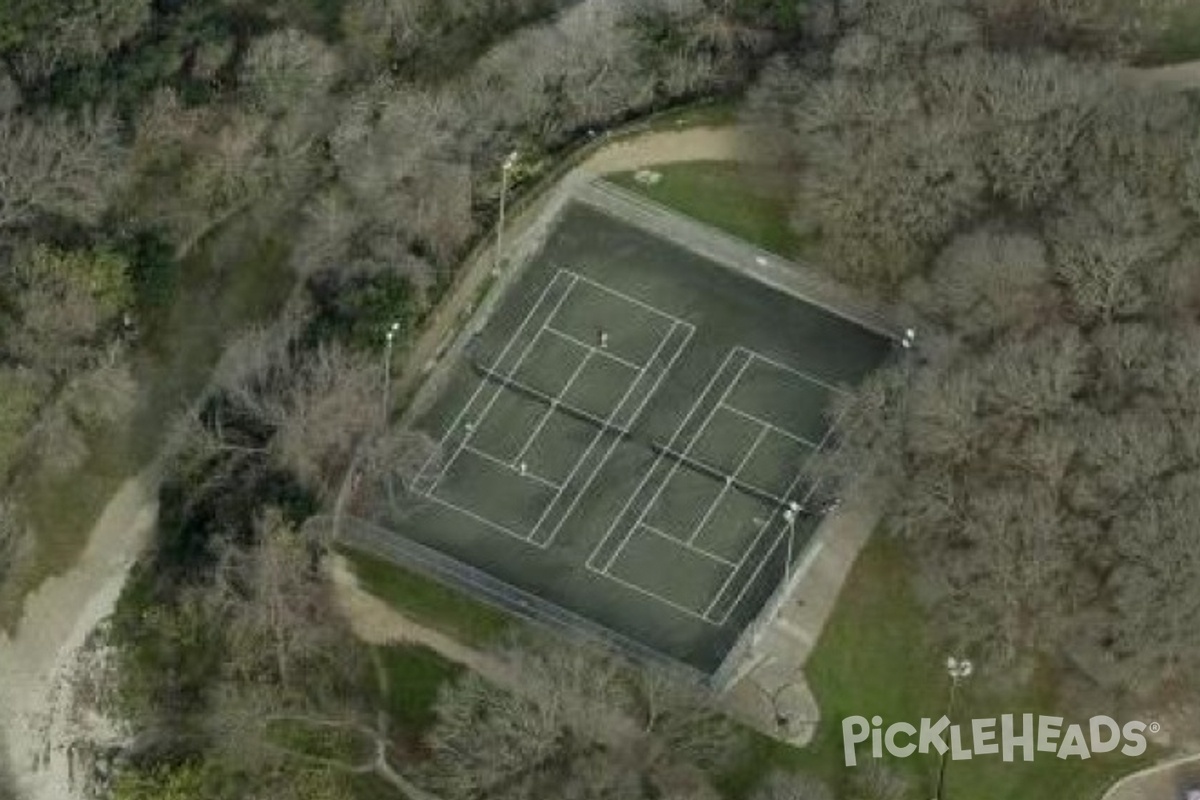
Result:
{"points": [[654, 465], [637, 412], [592, 444], [799, 373], [700, 551], [781, 431], [745, 586], [477, 517], [691, 612], [549, 412], [729, 480], [611, 356], [696, 436], [499, 359], [629, 299], [509, 467], [499, 389]]}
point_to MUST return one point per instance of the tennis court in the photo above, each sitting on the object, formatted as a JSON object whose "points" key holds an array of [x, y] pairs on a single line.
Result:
{"points": [[626, 437]]}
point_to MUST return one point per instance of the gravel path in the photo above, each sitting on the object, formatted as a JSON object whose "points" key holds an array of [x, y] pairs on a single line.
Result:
{"points": [[36, 662]]}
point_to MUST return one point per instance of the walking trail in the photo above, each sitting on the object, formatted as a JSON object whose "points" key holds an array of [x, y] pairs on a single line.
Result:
{"points": [[37, 719]]}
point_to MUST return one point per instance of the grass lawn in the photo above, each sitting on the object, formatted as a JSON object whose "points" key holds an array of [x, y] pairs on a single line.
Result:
{"points": [[413, 675], [1180, 40], [876, 657], [727, 196], [430, 602]]}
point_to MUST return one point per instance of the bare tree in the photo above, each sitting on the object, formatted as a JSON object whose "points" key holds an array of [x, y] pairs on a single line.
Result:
{"points": [[576, 730], [287, 71], [875, 780], [55, 166], [80, 32], [792, 786], [277, 616]]}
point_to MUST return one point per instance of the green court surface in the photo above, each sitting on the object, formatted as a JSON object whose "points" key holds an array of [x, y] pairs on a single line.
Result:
{"points": [[626, 437]]}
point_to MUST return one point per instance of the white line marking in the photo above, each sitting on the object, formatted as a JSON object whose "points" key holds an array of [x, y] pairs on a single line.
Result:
{"points": [[781, 431], [657, 311], [654, 465], [591, 445], [509, 467], [549, 412], [477, 517], [799, 373], [741, 485], [612, 447], [696, 436], [691, 612], [482, 383], [762, 432], [499, 389], [745, 586], [611, 356], [700, 551]]}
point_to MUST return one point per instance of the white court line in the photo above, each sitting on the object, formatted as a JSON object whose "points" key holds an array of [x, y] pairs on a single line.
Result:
{"points": [[500, 389], [527, 475], [483, 383], [654, 465], [549, 412], [781, 431], [592, 444], [762, 433], [799, 373], [477, 517], [593, 349], [691, 612], [513, 383], [745, 586], [627, 298], [700, 551], [612, 447], [740, 485], [696, 436]]}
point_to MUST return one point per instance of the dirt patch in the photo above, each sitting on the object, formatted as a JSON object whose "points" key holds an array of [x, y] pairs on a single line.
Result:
{"points": [[37, 720]]}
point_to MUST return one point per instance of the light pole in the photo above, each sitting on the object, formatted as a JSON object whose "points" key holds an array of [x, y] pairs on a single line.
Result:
{"points": [[958, 669], [387, 368], [510, 161]]}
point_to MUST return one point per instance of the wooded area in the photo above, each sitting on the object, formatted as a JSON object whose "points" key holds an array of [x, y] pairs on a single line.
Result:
{"points": [[1033, 211]]}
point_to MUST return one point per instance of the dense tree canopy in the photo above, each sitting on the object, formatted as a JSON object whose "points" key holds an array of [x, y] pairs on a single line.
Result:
{"points": [[1033, 213]]}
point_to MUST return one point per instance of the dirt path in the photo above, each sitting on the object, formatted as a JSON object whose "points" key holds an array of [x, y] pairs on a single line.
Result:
{"points": [[1159, 782], [376, 622], [36, 722], [1176, 77]]}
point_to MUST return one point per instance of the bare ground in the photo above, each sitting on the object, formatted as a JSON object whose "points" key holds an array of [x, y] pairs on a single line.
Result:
{"points": [[38, 724]]}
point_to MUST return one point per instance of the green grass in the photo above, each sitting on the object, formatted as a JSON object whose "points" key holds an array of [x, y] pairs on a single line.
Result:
{"points": [[430, 602], [876, 656], [711, 113], [413, 677], [727, 196], [1180, 39]]}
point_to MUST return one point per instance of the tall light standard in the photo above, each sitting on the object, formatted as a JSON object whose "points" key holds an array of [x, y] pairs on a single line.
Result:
{"points": [[387, 368], [510, 161], [958, 669]]}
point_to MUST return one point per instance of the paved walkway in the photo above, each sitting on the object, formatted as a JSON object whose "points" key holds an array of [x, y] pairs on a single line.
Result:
{"points": [[1159, 782]]}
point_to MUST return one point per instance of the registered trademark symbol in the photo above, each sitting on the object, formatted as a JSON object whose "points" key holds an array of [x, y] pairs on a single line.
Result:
{"points": [[1155, 727]]}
